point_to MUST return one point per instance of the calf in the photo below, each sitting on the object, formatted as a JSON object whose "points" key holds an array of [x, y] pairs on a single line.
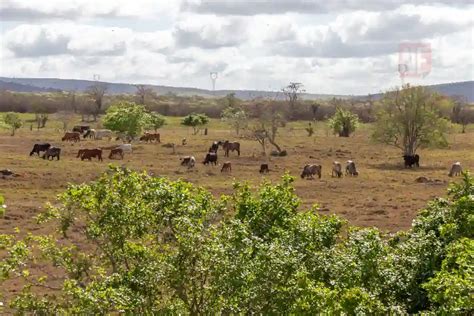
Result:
{"points": [[72, 136], [456, 169], [351, 168], [52, 152], [226, 167], [37, 148], [411, 160], [211, 158], [116, 152], [264, 168], [188, 161], [336, 169], [310, 170]]}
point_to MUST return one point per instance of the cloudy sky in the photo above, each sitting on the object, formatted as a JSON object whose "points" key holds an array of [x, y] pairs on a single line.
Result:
{"points": [[339, 46]]}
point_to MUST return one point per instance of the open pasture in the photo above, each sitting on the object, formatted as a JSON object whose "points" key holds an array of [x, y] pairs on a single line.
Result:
{"points": [[384, 194]]}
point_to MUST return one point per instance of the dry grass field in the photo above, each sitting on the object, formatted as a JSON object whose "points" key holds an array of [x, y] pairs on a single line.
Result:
{"points": [[384, 195]]}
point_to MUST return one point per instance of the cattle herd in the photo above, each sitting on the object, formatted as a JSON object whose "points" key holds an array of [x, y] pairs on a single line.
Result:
{"points": [[118, 151]]}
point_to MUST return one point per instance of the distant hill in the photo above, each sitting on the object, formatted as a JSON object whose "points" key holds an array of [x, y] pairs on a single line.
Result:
{"points": [[465, 89], [18, 87], [120, 88]]}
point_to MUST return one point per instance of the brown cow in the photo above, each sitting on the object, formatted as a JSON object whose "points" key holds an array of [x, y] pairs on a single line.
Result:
{"points": [[226, 167], [264, 168], [116, 152], [231, 146], [150, 137], [72, 137], [89, 154], [310, 170]]}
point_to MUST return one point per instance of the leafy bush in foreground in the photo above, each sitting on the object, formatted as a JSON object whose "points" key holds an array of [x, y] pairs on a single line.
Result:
{"points": [[138, 244]]}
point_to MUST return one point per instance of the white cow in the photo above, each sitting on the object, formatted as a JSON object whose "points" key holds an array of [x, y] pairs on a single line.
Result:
{"points": [[102, 133], [127, 148], [188, 161]]}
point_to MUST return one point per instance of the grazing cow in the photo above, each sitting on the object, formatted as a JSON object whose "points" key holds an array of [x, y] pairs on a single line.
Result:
{"points": [[90, 153], [81, 128], [226, 167], [72, 137], [411, 160], [124, 137], [310, 170], [150, 137], [98, 134], [231, 146], [127, 148], [89, 133], [456, 169], [211, 158], [336, 169], [37, 148], [116, 152], [188, 161], [351, 168], [264, 168], [52, 152]]}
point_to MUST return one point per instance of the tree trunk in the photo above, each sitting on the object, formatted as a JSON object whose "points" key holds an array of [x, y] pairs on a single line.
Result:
{"points": [[275, 145]]}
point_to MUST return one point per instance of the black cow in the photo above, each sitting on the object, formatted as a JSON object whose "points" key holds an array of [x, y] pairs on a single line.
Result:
{"points": [[411, 160], [211, 158], [81, 128], [214, 147], [52, 152], [264, 168], [37, 148]]}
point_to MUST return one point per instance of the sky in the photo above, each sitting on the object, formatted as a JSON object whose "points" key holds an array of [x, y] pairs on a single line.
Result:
{"points": [[335, 47]]}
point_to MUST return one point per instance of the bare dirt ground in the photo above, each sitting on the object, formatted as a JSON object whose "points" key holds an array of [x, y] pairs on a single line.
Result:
{"points": [[384, 194]]}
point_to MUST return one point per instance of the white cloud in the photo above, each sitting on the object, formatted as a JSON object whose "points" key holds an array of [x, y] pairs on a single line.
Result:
{"points": [[344, 47]]}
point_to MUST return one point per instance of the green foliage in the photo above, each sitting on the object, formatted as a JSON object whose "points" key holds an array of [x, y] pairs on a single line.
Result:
{"points": [[2, 206], [155, 121], [410, 118], [13, 120], [155, 246], [196, 121], [235, 117], [126, 117], [344, 122]]}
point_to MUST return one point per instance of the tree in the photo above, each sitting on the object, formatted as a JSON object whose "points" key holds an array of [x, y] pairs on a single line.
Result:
{"points": [[132, 243], [291, 92], [96, 92], [344, 122], [126, 117], [314, 109], [461, 113], [142, 93], [196, 121], [271, 118], [409, 118], [13, 120], [237, 118], [155, 121]]}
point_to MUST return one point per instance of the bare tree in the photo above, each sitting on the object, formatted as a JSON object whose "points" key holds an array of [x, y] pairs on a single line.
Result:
{"points": [[96, 92], [266, 126], [143, 92], [291, 92]]}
